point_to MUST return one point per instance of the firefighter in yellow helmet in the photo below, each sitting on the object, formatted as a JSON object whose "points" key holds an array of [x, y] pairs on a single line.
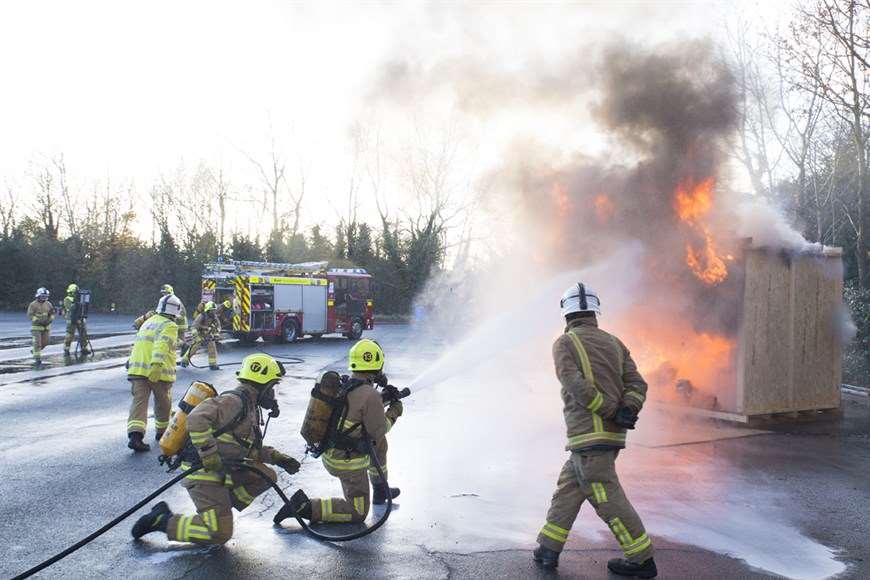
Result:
{"points": [[151, 369], [41, 314], [365, 417], [74, 321], [603, 392], [206, 329], [219, 487]]}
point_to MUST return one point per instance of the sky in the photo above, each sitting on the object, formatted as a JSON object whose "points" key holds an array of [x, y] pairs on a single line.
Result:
{"points": [[129, 90]]}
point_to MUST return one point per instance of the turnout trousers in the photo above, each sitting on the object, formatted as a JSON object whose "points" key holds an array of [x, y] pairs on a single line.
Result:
{"points": [[41, 339], [197, 343], [214, 500], [71, 328], [591, 475], [142, 390], [353, 473]]}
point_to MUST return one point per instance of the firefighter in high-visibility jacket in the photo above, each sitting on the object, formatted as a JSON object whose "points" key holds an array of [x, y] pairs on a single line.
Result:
{"points": [[73, 323], [602, 392], [206, 329], [151, 370], [41, 314], [353, 468], [219, 487]]}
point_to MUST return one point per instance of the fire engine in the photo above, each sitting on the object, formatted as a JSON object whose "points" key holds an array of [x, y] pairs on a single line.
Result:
{"points": [[284, 302]]}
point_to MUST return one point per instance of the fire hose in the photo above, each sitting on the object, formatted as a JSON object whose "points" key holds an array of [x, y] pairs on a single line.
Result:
{"points": [[235, 465]]}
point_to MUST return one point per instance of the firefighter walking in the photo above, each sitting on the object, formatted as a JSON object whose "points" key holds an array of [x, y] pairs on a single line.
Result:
{"points": [[41, 315], [151, 370], [206, 329], [219, 488], [74, 322], [365, 418], [602, 393]]}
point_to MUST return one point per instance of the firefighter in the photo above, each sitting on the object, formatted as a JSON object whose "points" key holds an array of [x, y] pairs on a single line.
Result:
{"points": [[602, 393], [151, 370], [219, 487], [74, 322], [41, 314], [352, 467], [206, 329]]}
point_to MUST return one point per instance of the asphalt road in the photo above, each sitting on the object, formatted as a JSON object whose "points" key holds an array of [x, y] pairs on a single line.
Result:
{"points": [[476, 456]]}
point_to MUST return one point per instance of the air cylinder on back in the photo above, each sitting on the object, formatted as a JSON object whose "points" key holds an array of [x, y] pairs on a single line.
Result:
{"points": [[174, 437]]}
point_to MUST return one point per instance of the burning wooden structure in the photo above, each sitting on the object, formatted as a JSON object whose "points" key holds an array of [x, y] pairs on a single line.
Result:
{"points": [[788, 353]]}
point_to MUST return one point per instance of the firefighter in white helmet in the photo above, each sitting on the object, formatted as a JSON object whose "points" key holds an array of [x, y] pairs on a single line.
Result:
{"points": [[151, 369], [41, 314], [602, 393]]}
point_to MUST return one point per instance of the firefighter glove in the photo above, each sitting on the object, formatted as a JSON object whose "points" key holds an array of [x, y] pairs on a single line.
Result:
{"points": [[212, 462], [625, 417], [274, 410], [154, 373], [394, 411], [285, 462]]}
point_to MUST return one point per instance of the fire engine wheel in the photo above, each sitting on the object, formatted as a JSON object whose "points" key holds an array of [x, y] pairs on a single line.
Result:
{"points": [[290, 330], [356, 330]]}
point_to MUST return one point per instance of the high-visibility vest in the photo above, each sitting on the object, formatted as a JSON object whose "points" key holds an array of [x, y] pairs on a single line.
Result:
{"points": [[155, 343]]}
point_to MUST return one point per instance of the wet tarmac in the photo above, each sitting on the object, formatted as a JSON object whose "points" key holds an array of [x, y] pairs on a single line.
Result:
{"points": [[476, 456]]}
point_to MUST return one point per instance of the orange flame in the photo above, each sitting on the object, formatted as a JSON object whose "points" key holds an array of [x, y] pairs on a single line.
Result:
{"points": [[692, 202]]}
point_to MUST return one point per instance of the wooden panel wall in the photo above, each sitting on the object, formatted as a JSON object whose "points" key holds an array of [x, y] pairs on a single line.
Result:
{"points": [[790, 355]]}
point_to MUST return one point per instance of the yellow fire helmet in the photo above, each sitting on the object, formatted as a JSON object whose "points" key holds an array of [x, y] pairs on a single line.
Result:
{"points": [[209, 306], [167, 289], [260, 368], [366, 355], [71, 289]]}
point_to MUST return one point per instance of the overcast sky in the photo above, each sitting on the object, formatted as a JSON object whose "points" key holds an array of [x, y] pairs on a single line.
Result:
{"points": [[128, 89]]}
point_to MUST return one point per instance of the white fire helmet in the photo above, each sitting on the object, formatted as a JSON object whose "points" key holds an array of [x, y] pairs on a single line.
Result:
{"points": [[169, 305], [42, 293], [580, 298]]}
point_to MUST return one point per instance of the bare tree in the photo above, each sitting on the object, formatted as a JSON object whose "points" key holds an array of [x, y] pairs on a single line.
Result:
{"points": [[7, 213], [45, 202]]}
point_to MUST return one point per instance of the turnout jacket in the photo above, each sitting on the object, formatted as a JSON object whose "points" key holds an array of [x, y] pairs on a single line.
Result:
{"points": [[155, 343], [243, 441], [40, 314], [207, 326], [365, 407], [597, 375]]}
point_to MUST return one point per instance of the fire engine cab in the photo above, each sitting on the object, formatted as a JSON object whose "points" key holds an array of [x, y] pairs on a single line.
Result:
{"points": [[287, 301]]}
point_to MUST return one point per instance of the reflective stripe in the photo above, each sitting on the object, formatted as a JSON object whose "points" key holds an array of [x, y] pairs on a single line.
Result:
{"points": [[599, 493], [389, 424], [555, 532], [635, 395], [621, 532], [596, 403], [359, 504], [161, 425], [242, 495], [198, 532], [597, 424], [598, 399], [210, 519], [353, 464], [136, 424], [327, 515], [641, 544], [605, 436], [347, 425], [202, 475]]}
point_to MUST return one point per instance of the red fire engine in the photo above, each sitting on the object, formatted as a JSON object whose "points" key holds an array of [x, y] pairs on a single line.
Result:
{"points": [[287, 301]]}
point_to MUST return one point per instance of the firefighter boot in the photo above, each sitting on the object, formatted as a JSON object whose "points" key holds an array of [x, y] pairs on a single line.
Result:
{"points": [[546, 557], [622, 567], [158, 435], [154, 521], [379, 497], [136, 444], [214, 367], [298, 505]]}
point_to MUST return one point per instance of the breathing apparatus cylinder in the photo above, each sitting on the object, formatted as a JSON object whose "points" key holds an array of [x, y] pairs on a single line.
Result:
{"points": [[324, 399], [175, 436]]}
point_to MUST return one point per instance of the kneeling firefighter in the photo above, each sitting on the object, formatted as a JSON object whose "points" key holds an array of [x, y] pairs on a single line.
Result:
{"points": [[603, 392], [345, 450], [224, 430]]}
